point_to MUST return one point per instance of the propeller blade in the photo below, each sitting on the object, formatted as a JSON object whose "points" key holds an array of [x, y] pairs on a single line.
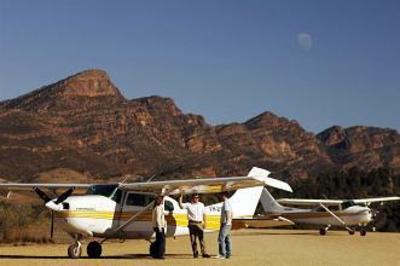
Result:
{"points": [[52, 224], [42, 195], [64, 196]]}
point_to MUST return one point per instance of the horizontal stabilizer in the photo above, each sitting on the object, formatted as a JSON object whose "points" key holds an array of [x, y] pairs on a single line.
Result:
{"points": [[263, 176]]}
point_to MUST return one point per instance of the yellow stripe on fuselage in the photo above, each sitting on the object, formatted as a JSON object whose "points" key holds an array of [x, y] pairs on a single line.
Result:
{"points": [[176, 219]]}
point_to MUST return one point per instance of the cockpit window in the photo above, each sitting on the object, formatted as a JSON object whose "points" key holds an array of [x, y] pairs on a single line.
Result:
{"points": [[139, 199], [347, 204], [117, 196], [103, 190]]}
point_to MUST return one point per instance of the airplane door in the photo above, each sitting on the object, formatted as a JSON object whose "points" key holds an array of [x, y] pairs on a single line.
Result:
{"points": [[119, 198], [133, 203]]}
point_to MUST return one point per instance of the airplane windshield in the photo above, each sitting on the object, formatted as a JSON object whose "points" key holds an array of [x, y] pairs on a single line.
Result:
{"points": [[347, 204], [103, 190]]}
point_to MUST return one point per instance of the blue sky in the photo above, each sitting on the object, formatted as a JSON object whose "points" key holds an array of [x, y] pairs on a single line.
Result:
{"points": [[320, 62]]}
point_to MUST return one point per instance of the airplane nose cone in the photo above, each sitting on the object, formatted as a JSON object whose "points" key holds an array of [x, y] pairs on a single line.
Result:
{"points": [[53, 206]]}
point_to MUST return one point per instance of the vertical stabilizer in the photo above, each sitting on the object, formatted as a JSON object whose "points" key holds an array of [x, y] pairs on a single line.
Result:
{"points": [[269, 204]]}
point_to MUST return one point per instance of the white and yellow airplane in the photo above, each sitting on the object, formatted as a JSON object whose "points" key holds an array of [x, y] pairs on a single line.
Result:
{"points": [[123, 210], [349, 213]]}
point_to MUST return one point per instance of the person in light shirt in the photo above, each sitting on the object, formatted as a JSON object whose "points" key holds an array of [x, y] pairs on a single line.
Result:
{"points": [[160, 227], [196, 213], [224, 236]]}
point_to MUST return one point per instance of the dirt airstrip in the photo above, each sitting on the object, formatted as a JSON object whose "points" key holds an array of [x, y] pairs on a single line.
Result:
{"points": [[251, 247]]}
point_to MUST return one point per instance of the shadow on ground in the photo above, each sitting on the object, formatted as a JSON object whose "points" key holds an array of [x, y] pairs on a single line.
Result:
{"points": [[287, 233], [126, 256]]}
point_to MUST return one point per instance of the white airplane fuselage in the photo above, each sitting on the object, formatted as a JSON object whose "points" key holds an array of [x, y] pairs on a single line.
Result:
{"points": [[100, 216], [351, 216], [354, 215], [94, 215]]}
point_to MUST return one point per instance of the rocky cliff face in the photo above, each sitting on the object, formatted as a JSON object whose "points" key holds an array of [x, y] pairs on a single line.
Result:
{"points": [[83, 123], [364, 147]]}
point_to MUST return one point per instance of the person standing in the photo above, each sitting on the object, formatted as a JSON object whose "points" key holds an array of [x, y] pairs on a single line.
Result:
{"points": [[224, 236], [196, 214], [160, 228]]}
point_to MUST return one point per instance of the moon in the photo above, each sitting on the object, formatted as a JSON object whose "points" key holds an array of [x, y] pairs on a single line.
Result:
{"points": [[305, 41]]}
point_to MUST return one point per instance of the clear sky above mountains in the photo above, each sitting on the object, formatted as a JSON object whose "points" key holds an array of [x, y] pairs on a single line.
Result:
{"points": [[319, 62]]}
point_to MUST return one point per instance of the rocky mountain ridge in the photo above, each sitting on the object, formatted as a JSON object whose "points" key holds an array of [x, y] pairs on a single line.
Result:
{"points": [[85, 124]]}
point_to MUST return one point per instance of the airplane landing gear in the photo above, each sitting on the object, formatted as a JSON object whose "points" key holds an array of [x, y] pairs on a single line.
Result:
{"points": [[75, 250], [350, 230], [323, 230], [94, 249], [363, 232]]}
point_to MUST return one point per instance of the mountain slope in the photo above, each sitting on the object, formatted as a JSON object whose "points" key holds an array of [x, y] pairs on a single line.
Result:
{"points": [[84, 123]]}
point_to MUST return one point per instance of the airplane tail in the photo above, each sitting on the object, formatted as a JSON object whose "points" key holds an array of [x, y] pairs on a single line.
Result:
{"points": [[244, 201], [269, 204]]}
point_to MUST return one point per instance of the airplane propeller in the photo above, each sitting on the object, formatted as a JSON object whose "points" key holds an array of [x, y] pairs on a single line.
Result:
{"points": [[64, 196], [51, 224], [42, 195], [53, 205]]}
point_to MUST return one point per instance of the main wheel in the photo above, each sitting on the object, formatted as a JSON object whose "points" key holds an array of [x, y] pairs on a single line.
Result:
{"points": [[74, 251], [363, 232], [351, 232], [322, 231], [94, 249]]}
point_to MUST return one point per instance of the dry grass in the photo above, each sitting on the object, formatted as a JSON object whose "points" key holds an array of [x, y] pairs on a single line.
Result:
{"points": [[251, 247]]}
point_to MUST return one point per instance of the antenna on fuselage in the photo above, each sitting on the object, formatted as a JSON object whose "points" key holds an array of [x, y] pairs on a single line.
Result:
{"points": [[125, 178], [151, 178], [157, 174]]}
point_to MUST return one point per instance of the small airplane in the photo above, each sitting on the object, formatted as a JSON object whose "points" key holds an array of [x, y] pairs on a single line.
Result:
{"points": [[123, 210], [348, 213]]}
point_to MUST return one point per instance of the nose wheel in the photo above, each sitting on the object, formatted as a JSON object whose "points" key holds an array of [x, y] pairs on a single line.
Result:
{"points": [[75, 250]]}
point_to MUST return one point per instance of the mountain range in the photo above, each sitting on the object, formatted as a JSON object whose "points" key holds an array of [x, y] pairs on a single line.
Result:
{"points": [[84, 124]]}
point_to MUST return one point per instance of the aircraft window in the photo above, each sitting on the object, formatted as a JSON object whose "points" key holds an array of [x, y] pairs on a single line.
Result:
{"points": [[347, 204], [319, 209], [334, 208], [139, 200], [117, 196], [331, 208], [103, 190]]}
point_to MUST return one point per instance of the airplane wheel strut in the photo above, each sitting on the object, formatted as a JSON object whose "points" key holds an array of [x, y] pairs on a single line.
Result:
{"points": [[94, 249], [75, 250]]}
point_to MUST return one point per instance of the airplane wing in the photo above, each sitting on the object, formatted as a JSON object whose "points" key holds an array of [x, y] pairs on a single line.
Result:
{"points": [[256, 177], [372, 200], [333, 202], [50, 186]]}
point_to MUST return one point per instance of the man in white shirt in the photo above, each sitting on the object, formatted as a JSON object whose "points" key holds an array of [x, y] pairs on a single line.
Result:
{"points": [[196, 214], [224, 237], [160, 228]]}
